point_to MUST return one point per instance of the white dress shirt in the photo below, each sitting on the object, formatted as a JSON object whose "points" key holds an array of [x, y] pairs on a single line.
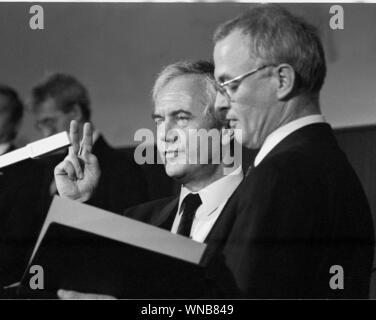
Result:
{"points": [[281, 133], [214, 198]]}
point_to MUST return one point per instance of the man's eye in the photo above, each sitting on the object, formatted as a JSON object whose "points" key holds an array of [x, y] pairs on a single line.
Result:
{"points": [[182, 118], [158, 120], [233, 86]]}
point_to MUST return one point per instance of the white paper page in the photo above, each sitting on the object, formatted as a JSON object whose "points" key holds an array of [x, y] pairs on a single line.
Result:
{"points": [[36, 149], [116, 227]]}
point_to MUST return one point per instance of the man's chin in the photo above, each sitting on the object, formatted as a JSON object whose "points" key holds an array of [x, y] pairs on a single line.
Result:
{"points": [[174, 171], [247, 141]]}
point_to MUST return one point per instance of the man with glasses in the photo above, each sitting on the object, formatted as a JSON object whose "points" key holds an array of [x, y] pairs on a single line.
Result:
{"points": [[303, 227]]}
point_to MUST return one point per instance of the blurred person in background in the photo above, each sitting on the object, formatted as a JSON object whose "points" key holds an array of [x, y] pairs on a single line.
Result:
{"points": [[22, 210], [57, 101]]}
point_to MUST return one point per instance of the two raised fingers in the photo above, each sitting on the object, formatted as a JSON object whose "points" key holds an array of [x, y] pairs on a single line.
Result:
{"points": [[87, 140], [86, 145], [74, 136], [71, 165]]}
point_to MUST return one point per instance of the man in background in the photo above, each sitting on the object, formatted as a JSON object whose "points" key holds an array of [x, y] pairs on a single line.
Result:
{"points": [[22, 210], [57, 101], [11, 112]]}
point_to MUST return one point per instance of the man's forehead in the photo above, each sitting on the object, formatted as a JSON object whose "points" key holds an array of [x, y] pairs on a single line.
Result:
{"points": [[47, 106], [232, 55], [182, 92], [174, 96], [172, 99]]}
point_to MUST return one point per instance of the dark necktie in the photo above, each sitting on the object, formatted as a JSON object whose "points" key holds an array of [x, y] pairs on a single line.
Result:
{"points": [[190, 204]]}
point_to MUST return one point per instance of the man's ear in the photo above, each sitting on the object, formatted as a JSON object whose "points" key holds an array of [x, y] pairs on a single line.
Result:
{"points": [[76, 113], [286, 80]]}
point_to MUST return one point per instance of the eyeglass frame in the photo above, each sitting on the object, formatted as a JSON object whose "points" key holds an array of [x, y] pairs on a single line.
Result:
{"points": [[221, 86]]}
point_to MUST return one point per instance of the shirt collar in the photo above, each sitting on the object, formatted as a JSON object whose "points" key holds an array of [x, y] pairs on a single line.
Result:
{"points": [[4, 147], [216, 193], [281, 133]]}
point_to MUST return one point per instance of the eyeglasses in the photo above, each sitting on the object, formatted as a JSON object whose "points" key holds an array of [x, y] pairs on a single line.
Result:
{"points": [[228, 87]]}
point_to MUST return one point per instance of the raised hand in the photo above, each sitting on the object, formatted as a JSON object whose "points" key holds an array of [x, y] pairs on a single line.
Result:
{"points": [[78, 175]]}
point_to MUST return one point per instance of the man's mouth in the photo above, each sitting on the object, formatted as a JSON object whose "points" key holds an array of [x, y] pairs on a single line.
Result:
{"points": [[171, 154], [231, 123]]}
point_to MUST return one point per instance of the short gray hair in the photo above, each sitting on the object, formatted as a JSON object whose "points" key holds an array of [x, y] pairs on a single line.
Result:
{"points": [[202, 68], [277, 37], [65, 90]]}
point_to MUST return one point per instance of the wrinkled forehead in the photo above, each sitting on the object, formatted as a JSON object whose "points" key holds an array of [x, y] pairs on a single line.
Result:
{"points": [[183, 93], [47, 107], [169, 99]]}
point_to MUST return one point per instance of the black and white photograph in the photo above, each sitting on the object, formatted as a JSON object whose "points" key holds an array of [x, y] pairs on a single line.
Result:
{"points": [[205, 152]]}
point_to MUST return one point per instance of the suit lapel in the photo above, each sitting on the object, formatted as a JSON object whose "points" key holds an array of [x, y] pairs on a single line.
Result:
{"points": [[220, 231], [305, 136], [100, 146], [218, 235], [165, 217]]}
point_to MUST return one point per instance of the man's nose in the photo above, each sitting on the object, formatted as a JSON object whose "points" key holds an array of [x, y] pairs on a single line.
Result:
{"points": [[47, 132], [222, 105], [167, 132]]}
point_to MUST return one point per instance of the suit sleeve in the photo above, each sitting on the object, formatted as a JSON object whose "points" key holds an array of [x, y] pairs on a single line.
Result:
{"points": [[277, 244], [122, 185], [129, 187]]}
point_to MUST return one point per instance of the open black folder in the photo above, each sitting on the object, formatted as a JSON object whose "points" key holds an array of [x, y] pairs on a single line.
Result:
{"points": [[89, 250]]}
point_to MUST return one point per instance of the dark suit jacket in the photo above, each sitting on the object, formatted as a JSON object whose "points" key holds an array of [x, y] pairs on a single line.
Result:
{"points": [[122, 183], [22, 213], [299, 212], [25, 199]]}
